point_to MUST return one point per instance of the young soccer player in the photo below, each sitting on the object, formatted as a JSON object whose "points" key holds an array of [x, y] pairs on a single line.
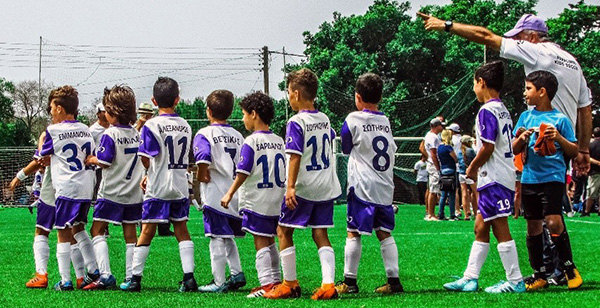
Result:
{"points": [[367, 138], [543, 178], [261, 182], [217, 151], [494, 171], [312, 185], [68, 143], [119, 195], [164, 147]]}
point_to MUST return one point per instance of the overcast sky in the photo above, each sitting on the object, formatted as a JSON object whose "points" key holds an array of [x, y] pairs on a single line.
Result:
{"points": [[205, 45]]}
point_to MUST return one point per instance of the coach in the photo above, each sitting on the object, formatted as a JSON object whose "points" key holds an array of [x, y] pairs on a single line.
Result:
{"points": [[528, 44]]}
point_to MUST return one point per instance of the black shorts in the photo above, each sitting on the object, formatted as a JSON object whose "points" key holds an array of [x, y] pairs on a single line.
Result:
{"points": [[541, 200]]}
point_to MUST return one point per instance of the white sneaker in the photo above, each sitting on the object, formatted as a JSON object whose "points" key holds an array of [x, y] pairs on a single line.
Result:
{"points": [[427, 217], [571, 214]]}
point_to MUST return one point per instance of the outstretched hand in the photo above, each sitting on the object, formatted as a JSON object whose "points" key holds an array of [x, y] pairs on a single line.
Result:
{"points": [[432, 23]]}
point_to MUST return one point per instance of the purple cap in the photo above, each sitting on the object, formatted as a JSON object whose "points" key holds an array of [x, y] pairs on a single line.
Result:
{"points": [[528, 22]]}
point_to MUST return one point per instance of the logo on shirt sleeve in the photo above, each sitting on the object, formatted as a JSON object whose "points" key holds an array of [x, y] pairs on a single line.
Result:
{"points": [[289, 139]]}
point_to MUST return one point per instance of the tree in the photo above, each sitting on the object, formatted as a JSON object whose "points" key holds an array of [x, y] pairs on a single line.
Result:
{"points": [[7, 89], [30, 104]]}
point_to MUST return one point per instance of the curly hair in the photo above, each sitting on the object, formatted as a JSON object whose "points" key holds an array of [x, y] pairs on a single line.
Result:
{"points": [[305, 81], [119, 102], [66, 97], [261, 103]]}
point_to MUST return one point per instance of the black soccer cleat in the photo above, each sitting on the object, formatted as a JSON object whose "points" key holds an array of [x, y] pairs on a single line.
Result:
{"points": [[188, 285], [135, 285]]}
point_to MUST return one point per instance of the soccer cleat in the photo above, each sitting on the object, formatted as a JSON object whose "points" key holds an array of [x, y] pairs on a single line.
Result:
{"points": [[462, 285], [506, 287], [79, 282], [343, 288], [325, 292], [135, 284], [102, 283], [575, 281], [188, 285], [213, 288], [282, 291], [261, 291], [89, 278], [125, 284], [557, 280], [236, 281], [39, 281], [390, 289], [60, 286], [533, 284]]}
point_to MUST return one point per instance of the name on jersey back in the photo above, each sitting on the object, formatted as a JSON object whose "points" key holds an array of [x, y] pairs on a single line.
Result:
{"points": [[74, 134], [226, 139], [173, 128], [317, 126], [127, 140], [269, 146], [376, 128]]}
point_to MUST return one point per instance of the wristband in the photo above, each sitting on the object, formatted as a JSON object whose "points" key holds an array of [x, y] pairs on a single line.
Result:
{"points": [[21, 175]]}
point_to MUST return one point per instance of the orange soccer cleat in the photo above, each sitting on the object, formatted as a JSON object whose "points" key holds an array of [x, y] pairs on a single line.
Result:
{"points": [[288, 289], [326, 291], [79, 282], [39, 281]]}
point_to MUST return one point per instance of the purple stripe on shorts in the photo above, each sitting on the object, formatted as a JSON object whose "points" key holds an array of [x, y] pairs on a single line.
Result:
{"points": [[45, 216], [157, 210], [258, 224], [217, 224], [495, 201], [106, 210], [70, 212]]}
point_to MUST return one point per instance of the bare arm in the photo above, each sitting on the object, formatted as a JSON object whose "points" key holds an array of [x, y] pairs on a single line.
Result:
{"points": [[31, 168], [93, 160], [145, 161], [570, 148], [203, 175], [484, 154], [422, 149], [453, 155], [520, 144], [239, 180], [584, 134], [472, 33], [290, 193], [434, 157]]}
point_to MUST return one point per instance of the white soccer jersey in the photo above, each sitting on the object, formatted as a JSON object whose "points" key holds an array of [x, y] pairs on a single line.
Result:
{"points": [[432, 141], [309, 134], [118, 149], [69, 143], [97, 130], [262, 158], [572, 92], [367, 137], [218, 146], [47, 192], [494, 125], [166, 140]]}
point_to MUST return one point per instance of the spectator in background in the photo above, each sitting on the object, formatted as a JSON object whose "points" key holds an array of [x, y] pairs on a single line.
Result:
{"points": [[448, 160], [97, 129], [145, 112], [456, 145], [593, 186], [466, 154], [420, 171], [431, 143]]}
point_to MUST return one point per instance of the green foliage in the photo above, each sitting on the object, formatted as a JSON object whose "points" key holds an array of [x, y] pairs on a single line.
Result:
{"points": [[14, 134], [7, 89]]}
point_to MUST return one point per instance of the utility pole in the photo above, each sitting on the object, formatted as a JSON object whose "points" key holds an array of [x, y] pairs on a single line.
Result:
{"points": [[40, 73], [285, 90], [265, 55]]}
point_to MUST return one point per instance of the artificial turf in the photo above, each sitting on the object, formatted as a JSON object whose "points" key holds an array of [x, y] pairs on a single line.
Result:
{"points": [[430, 253]]}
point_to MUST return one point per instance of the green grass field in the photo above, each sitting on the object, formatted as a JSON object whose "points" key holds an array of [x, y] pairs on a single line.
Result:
{"points": [[430, 253]]}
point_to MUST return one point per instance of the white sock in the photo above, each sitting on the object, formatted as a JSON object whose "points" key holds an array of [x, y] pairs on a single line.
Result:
{"points": [[275, 267], [77, 260], [352, 253], [129, 259], [87, 251], [186, 252], [140, 254], [218, 259], [233, 256], [389, 253], [327, 258], [101, 251], [41, 253], [63, 256], [288, 263], [510, 261], [263, 266], [479, 252]]}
